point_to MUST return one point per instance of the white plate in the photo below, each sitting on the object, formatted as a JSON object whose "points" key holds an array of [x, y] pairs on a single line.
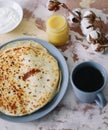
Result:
{"points": [[11, 15], [56, 100]]}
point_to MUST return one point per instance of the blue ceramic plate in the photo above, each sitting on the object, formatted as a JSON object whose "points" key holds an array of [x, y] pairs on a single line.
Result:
{"points": [[56, 100]]}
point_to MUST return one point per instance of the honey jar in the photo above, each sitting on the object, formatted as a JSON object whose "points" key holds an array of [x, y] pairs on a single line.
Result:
{"points": [[57, 30]]}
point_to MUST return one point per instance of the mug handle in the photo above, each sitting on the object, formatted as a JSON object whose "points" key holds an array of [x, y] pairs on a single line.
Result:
{"points": [[100, 99]]}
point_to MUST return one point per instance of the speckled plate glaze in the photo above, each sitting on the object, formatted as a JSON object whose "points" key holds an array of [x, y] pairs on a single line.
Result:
{"points": [[56, 100]]}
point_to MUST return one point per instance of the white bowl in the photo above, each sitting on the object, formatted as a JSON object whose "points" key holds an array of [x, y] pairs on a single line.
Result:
{"points": [[11, 15]]}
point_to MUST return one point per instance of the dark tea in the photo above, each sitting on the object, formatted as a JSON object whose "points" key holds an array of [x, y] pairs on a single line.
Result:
{"points": [[88, 79]]}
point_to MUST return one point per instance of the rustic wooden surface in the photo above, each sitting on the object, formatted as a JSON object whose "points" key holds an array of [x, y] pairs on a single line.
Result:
{"points": [[70, 114]]}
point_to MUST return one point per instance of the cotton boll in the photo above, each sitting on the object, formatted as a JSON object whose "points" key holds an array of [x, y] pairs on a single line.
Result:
{"points": [[86, 26], [77, 11], [90, 15], [94, 39], [93, 35], [87, 30], [87, 13], [85, 22], [72, 18], [95, 48]]}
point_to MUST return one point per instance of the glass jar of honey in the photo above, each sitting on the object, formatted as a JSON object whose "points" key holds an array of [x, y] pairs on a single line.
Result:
{"points": [[57, 30]]}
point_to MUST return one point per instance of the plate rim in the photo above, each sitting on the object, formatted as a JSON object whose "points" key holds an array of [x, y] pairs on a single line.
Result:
{"points": [[63, 88]]}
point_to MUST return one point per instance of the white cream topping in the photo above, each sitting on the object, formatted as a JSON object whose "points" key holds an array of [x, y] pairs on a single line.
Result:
{"points": [[8, 18]]}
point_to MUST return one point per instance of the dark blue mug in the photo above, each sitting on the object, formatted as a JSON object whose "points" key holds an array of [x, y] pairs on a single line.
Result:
{"points": [[88, 80]]}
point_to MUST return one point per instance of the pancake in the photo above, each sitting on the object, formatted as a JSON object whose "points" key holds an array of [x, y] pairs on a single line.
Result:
{"points": [[29, 78]]}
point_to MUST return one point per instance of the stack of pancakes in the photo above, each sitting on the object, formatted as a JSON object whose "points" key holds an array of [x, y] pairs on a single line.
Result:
{"points": [[29, 77]]}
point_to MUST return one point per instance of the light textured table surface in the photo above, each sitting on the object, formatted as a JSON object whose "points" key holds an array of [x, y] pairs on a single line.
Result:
{"points": [[70, 114]]}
